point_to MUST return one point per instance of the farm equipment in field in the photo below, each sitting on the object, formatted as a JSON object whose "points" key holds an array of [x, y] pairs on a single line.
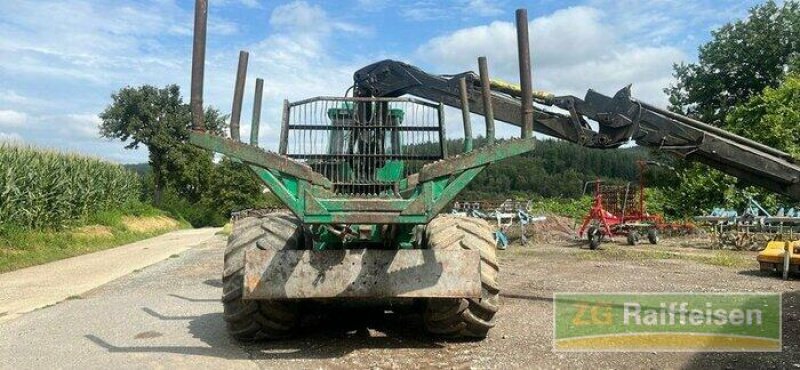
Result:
{"points": [[364, 179], [612, 214], [503, 214], [752, 228], [620, 210]]}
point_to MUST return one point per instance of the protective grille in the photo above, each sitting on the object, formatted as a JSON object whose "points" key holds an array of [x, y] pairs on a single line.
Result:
{"points": [[363, 145], [618, 199]]}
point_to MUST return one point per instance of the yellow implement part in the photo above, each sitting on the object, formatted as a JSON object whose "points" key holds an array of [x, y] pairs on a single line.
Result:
{"points": [[771, 258], [773, 253], [515, 90]]}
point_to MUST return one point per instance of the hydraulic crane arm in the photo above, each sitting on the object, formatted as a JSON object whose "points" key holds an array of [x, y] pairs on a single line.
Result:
{"points": [[391, 78], [620, 119]]}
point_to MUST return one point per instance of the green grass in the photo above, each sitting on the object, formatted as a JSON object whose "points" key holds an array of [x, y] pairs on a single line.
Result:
{"points": [[21, 247], [575, 208], [726, 259], [721, 258]]}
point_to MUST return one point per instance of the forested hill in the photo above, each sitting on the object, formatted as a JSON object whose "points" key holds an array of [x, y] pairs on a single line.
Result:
{"points": [[141, 169], [553, 169]]}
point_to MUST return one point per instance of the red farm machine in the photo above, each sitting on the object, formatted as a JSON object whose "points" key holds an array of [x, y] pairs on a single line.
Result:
{"points": [[620, 210]]}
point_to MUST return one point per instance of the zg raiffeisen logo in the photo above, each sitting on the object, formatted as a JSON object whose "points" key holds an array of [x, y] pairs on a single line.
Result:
{"points": [[696, 322]]}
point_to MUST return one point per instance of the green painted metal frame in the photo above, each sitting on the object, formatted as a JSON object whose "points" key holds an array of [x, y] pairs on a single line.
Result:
{"points": [[308, 194]]}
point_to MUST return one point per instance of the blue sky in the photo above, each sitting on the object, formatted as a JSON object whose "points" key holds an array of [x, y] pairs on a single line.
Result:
{"points": [[61, 60]]}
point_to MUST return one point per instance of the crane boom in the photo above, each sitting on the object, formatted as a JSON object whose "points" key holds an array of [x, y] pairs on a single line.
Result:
{"points": [[620, 119]]}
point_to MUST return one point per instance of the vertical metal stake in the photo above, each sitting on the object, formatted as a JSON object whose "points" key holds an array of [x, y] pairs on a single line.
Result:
{"points": [[462, 88], [486, 92], [238, 94], [256, 111], [442, 131], [525, 78], [787, 258], [283, 144], [198, 64]]}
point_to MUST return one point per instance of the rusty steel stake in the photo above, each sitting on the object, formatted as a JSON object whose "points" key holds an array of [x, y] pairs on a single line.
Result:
{"points": [[256, 111], [283, 143], [238, 94], [462, 87], [198, 64], [486, 92], [442, 131], [525, 78]]}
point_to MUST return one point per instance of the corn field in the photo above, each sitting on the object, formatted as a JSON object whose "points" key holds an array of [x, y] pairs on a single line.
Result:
{"points": [[45, 189]]}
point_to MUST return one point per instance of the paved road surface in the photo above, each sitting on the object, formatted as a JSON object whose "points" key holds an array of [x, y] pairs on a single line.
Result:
{"points": [[168, 316], [27, 289]]}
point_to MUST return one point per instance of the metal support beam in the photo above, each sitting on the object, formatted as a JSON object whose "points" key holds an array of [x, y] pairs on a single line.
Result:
{"points": [[198, 64], [442, 131], [525, 78], [716, 130], [462, 88], [477, 158], [253, 155], [486, 93], [238, 94], [256, 111]]}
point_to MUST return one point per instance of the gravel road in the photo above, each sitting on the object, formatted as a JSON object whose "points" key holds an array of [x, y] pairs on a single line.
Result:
{"points": [[169, 316]]}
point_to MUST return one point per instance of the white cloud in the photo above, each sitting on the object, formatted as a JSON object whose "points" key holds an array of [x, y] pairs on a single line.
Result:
{"points": [[297, 60], [429, 10], [251, 3], [483, 7], [95, 42], [58, 70], [10, 118], [85, 125], [300, 17], [10, 137], [246, 3], [573, 49], [11, 97], [372, 5], [673, 22]]}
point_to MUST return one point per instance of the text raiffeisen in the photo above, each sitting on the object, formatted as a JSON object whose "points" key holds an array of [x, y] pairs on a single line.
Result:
{"points": [[681, 313]]}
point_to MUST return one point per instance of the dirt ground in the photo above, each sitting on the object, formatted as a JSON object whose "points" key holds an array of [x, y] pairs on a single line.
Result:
{"points": [[531, 274], [169, 316]]}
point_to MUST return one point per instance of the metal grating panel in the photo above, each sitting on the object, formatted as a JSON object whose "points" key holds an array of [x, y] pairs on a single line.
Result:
{"points": [[363, 145]]}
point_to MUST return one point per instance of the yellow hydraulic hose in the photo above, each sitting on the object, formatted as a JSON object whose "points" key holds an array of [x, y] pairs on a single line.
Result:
{"points": [[514, 90]]}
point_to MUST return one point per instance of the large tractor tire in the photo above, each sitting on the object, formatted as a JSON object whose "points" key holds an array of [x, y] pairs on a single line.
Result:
{"points": [[250, 320], [464, 317]]}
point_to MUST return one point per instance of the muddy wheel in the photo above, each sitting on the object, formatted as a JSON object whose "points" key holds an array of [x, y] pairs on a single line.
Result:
{"points": [[464, 317], [258, 320], [593, 235], [652, 236], [632, 237]]}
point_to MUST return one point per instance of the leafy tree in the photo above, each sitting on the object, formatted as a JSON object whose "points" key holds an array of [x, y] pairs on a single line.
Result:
{"points": [[743, 58], [159, 119], [772, 118], [235, 187]]}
